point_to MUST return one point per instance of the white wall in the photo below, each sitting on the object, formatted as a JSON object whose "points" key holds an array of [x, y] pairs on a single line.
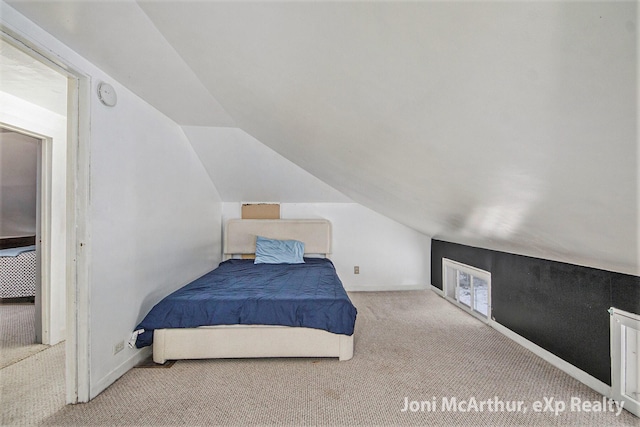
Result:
{"points": [[27, 116], [390, 255], [155, 222], [154, 215], [243, 168], [18, 173]]}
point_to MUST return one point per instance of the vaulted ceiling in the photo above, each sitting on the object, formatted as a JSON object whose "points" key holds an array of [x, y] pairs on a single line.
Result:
{"points": [[508, 125]]}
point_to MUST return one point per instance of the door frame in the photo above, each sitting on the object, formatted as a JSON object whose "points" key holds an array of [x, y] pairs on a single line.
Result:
{"points": [[77, 361]]}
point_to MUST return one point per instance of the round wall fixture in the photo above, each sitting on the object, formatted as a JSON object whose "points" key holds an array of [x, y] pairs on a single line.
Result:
{"points": [[107, 94]]}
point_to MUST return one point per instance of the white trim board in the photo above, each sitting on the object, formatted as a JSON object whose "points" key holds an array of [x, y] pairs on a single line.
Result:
{"points": [[554, 360], [437, 291], [384, 288], [559, 363]]}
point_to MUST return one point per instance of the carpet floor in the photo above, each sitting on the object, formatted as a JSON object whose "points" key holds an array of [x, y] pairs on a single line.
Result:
{"points": [[409, 346], [17, 333], [33, 388], [31, 375]]}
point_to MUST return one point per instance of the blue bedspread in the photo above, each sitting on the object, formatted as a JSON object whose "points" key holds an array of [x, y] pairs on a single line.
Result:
{"points": [[241, 292]]}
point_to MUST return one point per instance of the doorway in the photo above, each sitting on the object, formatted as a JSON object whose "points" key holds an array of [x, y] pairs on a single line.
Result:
{"points": [[34, 100], [63, 129], [21, 329]]}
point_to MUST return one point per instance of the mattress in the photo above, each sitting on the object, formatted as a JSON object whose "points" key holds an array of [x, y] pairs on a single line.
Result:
{"points": [[240, 292], [18, 272]]}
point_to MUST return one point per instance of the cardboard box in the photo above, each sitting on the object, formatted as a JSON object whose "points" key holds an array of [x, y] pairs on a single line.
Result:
{"points": [[261, 211]]}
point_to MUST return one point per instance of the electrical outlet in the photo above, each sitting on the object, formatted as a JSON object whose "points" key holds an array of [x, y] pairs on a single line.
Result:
{"points": [[118, 347], [356, 269]]}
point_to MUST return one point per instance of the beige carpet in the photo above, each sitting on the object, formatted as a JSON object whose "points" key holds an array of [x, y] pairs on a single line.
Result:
{"points": [[17, 333], [408, 344], [31, 375], [33, 388]]}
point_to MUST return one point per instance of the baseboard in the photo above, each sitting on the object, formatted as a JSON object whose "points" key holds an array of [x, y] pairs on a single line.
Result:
{"points": [[559, 363], [383, 288], [437, 291], [119, 371], [563, 365]]}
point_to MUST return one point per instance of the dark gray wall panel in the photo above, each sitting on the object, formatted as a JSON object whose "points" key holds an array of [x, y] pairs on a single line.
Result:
{"points": [[625, 292], [560, 307]]}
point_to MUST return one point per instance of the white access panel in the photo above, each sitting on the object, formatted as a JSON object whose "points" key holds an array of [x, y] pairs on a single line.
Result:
{"points": [[625, 359]]}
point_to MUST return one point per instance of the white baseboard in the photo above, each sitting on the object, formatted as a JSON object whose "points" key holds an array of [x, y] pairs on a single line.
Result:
{"points": [[437, 291], [383, 288], [563, 365], [559, 363], [122, 369]]}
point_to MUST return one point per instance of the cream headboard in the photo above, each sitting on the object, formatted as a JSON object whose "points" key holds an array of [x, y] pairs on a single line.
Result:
{"points": [[240, 234]]}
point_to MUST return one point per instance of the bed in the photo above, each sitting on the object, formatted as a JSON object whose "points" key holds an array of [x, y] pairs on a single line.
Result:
{"points": [[18, 272], [247, 310]]}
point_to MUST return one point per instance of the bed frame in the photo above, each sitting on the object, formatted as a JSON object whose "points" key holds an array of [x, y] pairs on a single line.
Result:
{"points": [[18, 273], [243, 341]]}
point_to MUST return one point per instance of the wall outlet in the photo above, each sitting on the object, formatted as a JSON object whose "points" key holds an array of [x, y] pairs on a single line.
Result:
{"points": [[118, 347], [356, 269]]}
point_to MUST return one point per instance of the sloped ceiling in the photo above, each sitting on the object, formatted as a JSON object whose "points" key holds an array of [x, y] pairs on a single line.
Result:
{"points": [[258, 174], [118, 37], [508, 125]]}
